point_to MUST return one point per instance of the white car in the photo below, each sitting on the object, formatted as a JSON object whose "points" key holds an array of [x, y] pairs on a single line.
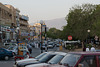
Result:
{"points": [[14, 49], [32, 59], [50, 45]]}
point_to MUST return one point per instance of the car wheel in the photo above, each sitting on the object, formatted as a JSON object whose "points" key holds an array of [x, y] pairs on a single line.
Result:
{"points": [[6, 57]]}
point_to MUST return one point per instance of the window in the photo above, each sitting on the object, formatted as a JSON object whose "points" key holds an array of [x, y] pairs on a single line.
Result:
{"points": [[41, 55], [56, 59], [70, 59], [46, 58], [88, 61]]}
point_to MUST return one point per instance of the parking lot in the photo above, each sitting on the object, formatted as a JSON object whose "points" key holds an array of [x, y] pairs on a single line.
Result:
{"points": [[35, 52]]}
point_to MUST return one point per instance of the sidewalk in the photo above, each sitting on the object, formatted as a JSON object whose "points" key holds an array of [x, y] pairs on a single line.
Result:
{"points": [[75, 50]]}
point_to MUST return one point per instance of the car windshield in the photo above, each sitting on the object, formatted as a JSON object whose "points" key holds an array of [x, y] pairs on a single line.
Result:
{"points": [[41, 55], [10, 48], [43, 44], [46, 58], [50, 43], [70, 59], [56, 59]]}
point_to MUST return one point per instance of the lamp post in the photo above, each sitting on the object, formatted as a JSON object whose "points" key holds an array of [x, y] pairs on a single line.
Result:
{"points": [[45, 32], [41, 22], [88, 35], [46, 38], [17, 34]]}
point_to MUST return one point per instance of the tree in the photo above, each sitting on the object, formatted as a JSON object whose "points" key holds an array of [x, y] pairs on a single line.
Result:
{"points": [[96, 20], [79, 21], [54, 33]]}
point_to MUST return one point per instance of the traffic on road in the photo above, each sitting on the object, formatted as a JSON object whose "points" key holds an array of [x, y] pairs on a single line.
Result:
{"points": [[29, 55]]}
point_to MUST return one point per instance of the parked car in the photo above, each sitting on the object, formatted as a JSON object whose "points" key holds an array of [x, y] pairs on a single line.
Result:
{"points": [[80, 59], [14, 49], [32, 44], [29, 48], [5, 54], [55, 60], [43, 59], [31, 59], [10, 44], [35, 58]]}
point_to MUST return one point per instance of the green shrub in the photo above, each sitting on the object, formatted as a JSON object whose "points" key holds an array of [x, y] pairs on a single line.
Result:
{"points": [[69, 47], [88, 45]]}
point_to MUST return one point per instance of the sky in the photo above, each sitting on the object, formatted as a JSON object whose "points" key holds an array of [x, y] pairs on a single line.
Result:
{"points": [[45, 9]]}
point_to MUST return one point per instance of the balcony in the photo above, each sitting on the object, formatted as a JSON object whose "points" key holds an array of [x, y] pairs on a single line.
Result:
{"points": [[24, 28], [24, 23]]}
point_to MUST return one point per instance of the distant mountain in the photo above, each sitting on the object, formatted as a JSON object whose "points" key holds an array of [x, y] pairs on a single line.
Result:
{"points": [[56, 23]]}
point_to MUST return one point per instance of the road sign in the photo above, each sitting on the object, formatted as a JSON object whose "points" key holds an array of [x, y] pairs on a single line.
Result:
{"points": [[69, 37]]}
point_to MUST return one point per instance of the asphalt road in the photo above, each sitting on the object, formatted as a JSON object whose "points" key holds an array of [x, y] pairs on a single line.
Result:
{"points": [[35, 52]]}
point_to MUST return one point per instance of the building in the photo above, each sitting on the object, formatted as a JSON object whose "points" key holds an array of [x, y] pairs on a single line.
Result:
{"points": [[24, 31], [13, 26], [13, 21], [5, 22], [32, 32], [39, 28]]}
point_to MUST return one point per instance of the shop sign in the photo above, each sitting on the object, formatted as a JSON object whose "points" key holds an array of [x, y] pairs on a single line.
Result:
{"points": [[8, 30]]}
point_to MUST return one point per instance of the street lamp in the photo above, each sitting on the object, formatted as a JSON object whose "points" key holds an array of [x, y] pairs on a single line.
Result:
{"points": [[88, 31], [88, 35], [17, 34], [41, 22]]}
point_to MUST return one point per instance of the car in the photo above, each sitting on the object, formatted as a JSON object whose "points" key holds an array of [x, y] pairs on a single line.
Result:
{"points": [[35, 58], [14, 49], [5, 54], [31, 59], [87, 59], [55, 60], [80, 59], [29, 48], [9, 44], [32, 44], [43, 59], [44, 47], [50, 45]]}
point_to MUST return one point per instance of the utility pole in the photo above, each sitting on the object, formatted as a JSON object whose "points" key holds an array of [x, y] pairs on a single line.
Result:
{"points": [[46, 39], [41, 38]]}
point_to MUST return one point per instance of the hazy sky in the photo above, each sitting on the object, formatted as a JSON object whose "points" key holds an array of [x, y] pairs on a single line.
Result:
{"points": [[45, 9]]}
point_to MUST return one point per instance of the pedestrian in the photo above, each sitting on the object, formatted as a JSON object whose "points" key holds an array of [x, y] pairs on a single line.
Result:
{"points": [[92, 48], [84, 49], [87, 49], [37, 45]]}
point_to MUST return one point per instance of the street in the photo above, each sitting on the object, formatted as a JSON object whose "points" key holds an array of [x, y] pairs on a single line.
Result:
{"points": [[35, 52]]}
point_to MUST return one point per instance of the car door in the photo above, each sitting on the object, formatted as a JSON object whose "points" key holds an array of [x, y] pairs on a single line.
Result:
{"points": [[88, 61], [99, 60]]}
